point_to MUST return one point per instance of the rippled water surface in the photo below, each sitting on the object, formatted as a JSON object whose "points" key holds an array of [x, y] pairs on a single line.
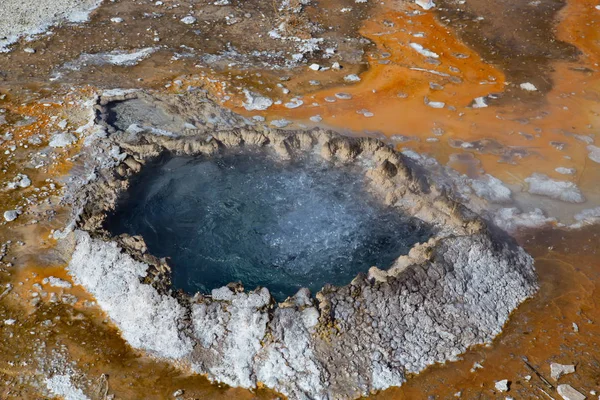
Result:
{"points": [[247, 217]]}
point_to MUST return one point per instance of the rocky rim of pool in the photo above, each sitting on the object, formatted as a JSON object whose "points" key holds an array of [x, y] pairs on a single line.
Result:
{"points": [[454, 291]]}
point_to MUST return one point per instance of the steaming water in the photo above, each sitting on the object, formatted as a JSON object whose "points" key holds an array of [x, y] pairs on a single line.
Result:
{"points": [[244, 216]]}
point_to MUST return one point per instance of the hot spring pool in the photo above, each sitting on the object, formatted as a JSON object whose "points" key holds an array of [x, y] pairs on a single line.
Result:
{"points": [[248, 216]]}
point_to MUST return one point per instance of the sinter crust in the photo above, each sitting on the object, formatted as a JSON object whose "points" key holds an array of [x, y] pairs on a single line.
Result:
{"points": [[454, 291]]}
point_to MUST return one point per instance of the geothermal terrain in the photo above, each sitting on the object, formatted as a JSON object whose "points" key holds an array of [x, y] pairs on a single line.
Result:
{"points": [[302, 199]]}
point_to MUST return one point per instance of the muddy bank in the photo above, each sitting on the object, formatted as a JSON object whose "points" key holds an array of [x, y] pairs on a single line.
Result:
{"points": [[454, 291]]}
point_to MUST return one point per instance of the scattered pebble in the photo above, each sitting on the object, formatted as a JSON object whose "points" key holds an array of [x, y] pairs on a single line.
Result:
{"points": [[425, 4], [479, 102], [567, 392], [315, 67], [29, 50], [188, 20], [530, 87], [558, 370], [352, 78], [62, 140], [565, 171], [316, 118], [343, 96], [502, 386], [280, 123], [10, 215], [294, 103], [116, 20]]}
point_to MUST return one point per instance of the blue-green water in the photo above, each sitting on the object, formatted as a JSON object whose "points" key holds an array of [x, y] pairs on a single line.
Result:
{"points": [[245, 216]]}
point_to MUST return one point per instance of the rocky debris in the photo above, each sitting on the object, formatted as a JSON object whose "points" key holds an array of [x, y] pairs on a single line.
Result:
{"points": [[528, 86], [20, 181], [558, 370], [561, 190], [566, 171], [189, 20], [352, 78], [425, 4], [62, 140], [342, 344], [567, 392], [502, 386], [255, 102], [10, 215], [423, 51], [594, 153], [57, 282]]}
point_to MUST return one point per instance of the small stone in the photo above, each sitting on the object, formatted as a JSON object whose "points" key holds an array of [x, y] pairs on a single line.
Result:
{"points": [[343, 96], [178, 393], [567, 392], [575, 326], [558, 370], [527, 378], [316, 118], [336, 66], [116, 20], [436, 104], [425, 4], [188, 20], [479, 102], [352, 78], [294, 103], [10, 215], [315, 67], [62, 140], [502, 386], [528, 86], [29, 50]]}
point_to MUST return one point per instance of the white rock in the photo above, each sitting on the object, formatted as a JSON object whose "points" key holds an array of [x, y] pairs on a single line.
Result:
{"points": [[436, 104], [62, 140], [566, 171], [336, 66], [188, 20], [255, 102], [280, 123], [558, 370], [425, 4], [315, 67], [57, 282], [502, 386], [9, 321], [10, 215], [568, 393], [423, 51], [316, 118], [480, 103], [594, 154], [116, 20], [294, 103], [352, 78], [530, 87], [560, 190], [29, 50]]}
